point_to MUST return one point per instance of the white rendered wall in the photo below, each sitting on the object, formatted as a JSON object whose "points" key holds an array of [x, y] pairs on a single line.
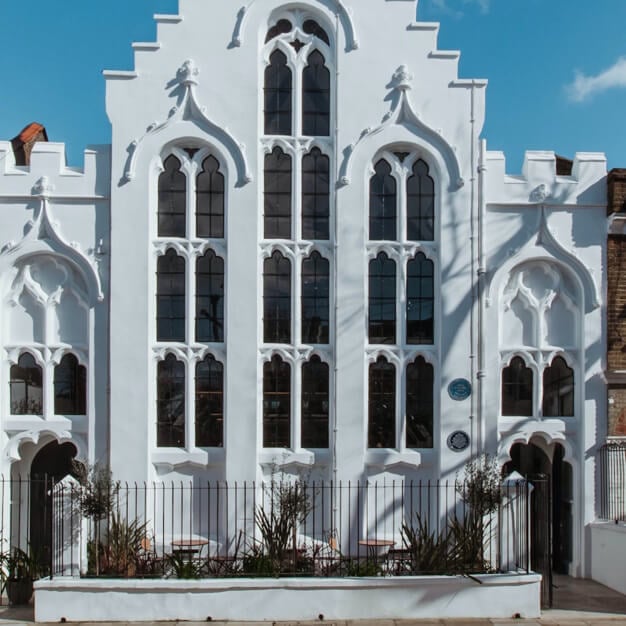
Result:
{"points": [[608, 554]]}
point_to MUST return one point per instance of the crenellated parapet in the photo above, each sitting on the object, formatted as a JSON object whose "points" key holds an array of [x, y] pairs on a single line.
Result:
{"points": [[539, 182], [48, 160]]}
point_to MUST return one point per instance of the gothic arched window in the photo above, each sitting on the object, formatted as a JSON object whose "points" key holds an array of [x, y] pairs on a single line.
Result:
{"points": [[315, 195], [383, 203], [26, 386], [382, 405], [209, 403], [276, 403], [419, 404], [420, 300], [171, 297], [210, 200], [277, 195], [558, 389], [278, 93], [277, 299], [517, 388], [315, 299], [315, 403], [171, 403], [172, 199], [316, 96], [70, 387], [210, 298], [382, 300], [420, 204]]}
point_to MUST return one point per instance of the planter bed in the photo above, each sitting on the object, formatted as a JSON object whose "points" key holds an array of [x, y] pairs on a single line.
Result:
{"points": [[288, 599]]}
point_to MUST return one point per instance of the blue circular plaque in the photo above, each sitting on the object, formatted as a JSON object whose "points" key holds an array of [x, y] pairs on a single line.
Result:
{"points": [[460, 389]]}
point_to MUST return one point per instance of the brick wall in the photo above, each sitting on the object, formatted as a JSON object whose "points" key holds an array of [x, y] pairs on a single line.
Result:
{"points": [[616, 191], [617, 411]]}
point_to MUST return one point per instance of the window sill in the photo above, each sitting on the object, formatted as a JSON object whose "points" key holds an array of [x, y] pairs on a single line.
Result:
{"points": [[280, 458], [386, 458], [170, 458], [509, 423], [19, 423]]}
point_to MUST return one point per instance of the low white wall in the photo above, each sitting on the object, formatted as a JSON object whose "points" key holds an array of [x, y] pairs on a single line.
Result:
{"points": [[608, 554], [102, 600]]}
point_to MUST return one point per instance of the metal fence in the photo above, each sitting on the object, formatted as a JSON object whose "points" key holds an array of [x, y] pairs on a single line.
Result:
{"points": [[189, 530], [612, 479]]}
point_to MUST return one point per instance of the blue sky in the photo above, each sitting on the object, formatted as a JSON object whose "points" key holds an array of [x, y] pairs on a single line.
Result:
{"points": [[556, 68]]}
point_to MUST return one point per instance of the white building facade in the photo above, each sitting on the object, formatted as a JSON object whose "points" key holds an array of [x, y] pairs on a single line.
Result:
{"points": [[298, 255]]}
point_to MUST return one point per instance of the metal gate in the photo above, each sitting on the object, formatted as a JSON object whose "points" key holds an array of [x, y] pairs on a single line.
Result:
{"points": [[541, 533]]}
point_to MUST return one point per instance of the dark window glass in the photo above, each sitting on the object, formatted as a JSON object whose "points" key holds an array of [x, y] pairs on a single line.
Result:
{"points": [[277, 299], [25, 387], [315, 299], [558, 389], [420, 200], [517, 388], [420, 300], [70, 387], [278, 87], [210, 298], [277, 195], [382, 405], [171, 403], [315, 195], [172, 199], [315, 401], [419, 404], [210, 200], [171, 297], [280, 28], [383, 203], [209, 403], [276, 404], [382, 300], [311, 27], [316, 97]]}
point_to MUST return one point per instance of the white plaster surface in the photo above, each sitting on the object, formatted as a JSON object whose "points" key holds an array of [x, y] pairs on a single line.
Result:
{"points": [[608, 554]]}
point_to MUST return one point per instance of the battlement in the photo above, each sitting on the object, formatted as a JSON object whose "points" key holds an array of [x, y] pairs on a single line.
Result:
{"points": [[540, 183], [48, 159]]}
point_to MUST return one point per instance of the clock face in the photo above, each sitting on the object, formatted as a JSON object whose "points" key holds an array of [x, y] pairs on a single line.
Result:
{"points": [[458, 441], [460, 389]]}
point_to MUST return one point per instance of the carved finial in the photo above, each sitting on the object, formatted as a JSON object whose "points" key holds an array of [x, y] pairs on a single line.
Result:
{"points": [[187, 74], [539, 194], [43, 187], [402, 78]]}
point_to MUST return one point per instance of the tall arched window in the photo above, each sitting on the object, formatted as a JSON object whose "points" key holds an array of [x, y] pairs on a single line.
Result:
{"points": [[382, 300], [316, 96], [558, 389], [420, 299], [315, 403], [210, 200], [315, 299], [383, 201], [172, 199], [209, 403], [26, 387], [278, 88], [382, 405], [517, 388], [277, 299], [70, 387], [277, 195], [210, 298], [171, 403], [315, 195], [171, 297], [420, 200], [276, 403], [419, 404]]}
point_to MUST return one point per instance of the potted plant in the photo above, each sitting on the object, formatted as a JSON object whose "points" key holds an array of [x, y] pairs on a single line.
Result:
{"points": [[18, 571]]}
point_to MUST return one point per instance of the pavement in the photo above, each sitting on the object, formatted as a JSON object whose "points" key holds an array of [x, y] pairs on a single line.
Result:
{"points": [[576, 602]]}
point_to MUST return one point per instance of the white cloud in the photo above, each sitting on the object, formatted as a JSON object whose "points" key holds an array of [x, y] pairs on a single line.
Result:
{"points": [[585, 87], [445, 6]]}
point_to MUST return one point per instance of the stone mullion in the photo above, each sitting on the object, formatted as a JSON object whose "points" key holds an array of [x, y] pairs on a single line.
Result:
{"points": [[190, 402], [296, 408]]}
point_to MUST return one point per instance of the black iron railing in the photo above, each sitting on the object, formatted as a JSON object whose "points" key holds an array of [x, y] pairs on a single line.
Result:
{"points": [[612, 480]]}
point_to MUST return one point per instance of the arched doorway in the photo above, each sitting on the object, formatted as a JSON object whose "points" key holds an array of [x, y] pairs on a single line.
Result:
{"points": [[50, 465], [551, 505]]}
